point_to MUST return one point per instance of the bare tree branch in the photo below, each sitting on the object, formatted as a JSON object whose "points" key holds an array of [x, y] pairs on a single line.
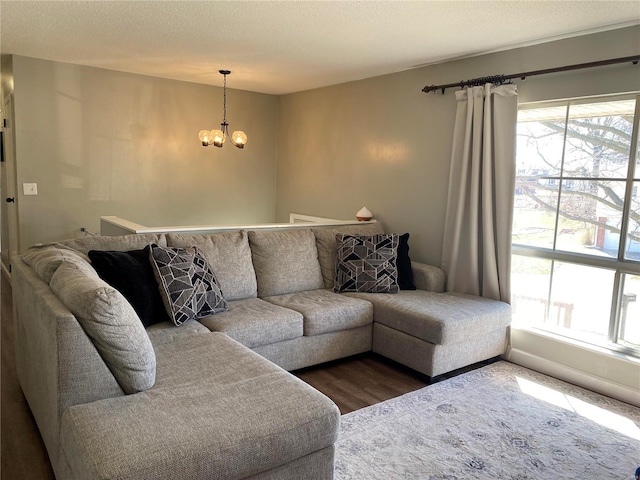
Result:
{"points": [[579, 218]]}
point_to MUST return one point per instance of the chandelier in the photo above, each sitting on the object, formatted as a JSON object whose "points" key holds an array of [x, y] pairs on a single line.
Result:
{"points": [[218, 137]]}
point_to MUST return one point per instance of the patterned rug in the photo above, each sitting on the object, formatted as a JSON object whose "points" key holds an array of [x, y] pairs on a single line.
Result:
{"points": [[501, 421]]}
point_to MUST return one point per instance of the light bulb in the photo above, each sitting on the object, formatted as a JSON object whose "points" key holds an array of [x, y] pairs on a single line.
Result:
{"points": [[218, 138], [239, 138], [204, 135]]}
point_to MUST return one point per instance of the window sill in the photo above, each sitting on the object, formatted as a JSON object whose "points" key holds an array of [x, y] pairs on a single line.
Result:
{"points": [[589, 347]]}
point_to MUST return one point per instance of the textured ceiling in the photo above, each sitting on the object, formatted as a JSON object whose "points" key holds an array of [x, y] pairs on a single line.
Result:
{"points": [[286, 46]]}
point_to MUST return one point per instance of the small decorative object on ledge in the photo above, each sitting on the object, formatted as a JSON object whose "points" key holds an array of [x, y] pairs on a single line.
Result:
{"points": [[364, 215], [218, 137]]}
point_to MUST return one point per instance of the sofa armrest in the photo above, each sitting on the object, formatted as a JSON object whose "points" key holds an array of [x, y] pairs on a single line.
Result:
{"points": [[56, 362], [428, 277]]}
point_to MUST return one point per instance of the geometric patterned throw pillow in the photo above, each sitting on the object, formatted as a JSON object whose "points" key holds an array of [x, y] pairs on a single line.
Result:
{"points": [[187, 285], [367, 263]]}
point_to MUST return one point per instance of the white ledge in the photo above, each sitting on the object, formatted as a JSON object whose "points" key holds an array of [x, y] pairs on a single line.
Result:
{"points": [[111, 225]]}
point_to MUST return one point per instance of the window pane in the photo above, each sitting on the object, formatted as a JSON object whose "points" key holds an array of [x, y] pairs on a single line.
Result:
{"points": [[632, 248], [540, 139], [581, 299], [530, 279], [637, 169], [599, 139], [630, 312], [534, 218], [590, 216]]}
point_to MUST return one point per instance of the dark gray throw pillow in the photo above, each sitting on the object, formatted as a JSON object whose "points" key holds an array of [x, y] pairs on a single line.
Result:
{"points": [[132, 275], [187, 284], [367, 263]]}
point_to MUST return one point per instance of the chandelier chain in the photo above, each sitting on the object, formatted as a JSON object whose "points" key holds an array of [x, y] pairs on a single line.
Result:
{"points": [[224, 107]]}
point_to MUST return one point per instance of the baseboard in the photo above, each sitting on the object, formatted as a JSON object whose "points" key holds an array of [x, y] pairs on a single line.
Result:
{"points": [[577, 377]]}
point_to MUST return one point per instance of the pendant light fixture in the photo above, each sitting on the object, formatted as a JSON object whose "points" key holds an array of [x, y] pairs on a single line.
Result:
{"points": [[218, 137]]}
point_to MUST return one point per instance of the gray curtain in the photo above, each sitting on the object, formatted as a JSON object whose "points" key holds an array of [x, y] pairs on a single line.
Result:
{"points": [[476, 254]]}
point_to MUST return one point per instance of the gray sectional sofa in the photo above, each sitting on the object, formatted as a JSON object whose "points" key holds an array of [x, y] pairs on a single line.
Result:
{"points": [[212, 398]]}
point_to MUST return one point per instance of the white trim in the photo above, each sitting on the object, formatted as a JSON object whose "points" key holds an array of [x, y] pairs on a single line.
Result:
{"points": [[578, 343], [131, 227], [124, 224], [571, 375]]}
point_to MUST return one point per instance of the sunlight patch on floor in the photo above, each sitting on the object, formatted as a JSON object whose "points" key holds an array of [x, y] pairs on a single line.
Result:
{"points": [[594, 413]]}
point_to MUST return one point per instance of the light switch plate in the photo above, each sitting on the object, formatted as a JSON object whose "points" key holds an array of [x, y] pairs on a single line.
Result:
{"points": [[30, 188]]}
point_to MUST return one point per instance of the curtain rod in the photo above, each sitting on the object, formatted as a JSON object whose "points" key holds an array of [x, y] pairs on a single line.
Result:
{"points": [[500, 79]]}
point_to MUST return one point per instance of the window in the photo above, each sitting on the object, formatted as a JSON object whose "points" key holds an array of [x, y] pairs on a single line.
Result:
{"points": [[576, 229]]}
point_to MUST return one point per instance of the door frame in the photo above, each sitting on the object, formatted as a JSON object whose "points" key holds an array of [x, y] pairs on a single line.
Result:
{"points": [[8, 186]]}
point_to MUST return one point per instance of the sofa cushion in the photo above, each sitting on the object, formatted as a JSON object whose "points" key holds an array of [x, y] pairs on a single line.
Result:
{"points": [[188, 287], [325, 311], [229, 255], [285, 262], [438, 318], [367, 263], [254, 322], [218, 411], [132, 275], [328, 246], [111, 323], [45, 259], [167, 332], [121, 243]]}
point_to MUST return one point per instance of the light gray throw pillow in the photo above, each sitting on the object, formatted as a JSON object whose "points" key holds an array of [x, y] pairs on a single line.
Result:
{"points": [[285, 262], [45, 259], [111, 323]]}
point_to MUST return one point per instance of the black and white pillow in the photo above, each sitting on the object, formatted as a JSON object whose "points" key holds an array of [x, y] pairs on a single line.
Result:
{"points": [[188, 287], [367, 263]]}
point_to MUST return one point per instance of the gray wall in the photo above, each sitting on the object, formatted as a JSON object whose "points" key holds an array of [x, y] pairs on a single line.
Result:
{"points": [[99, 142], [382, 143]]}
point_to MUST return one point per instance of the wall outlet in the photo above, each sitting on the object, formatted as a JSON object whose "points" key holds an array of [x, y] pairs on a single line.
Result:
{"points": [[30, 188]]}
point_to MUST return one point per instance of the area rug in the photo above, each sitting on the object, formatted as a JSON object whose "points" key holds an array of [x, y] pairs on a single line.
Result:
{"points": [[501, 421]]}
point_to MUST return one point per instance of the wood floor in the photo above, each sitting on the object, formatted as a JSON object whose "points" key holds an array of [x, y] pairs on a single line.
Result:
{"points": [[352, 384], [360, 381]]}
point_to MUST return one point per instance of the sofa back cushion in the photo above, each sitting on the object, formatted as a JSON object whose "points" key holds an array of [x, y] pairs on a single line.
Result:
{"points": [[120, 243], [111, 323], [285, 262], [229, 255], [328, 246]]}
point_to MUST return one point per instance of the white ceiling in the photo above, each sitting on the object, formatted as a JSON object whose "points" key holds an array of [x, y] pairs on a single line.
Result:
{"points": [[286, 46]]}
